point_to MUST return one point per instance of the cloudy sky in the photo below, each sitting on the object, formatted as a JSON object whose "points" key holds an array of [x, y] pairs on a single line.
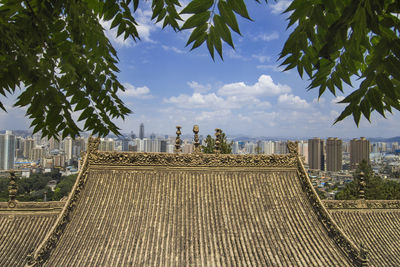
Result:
{"points": [[246, 94]]}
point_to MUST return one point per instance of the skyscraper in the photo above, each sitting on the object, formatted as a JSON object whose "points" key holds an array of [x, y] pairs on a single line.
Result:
{"points": [[141, 131], [359, 151], [333, 154], [29, 144], [7, 150], [316, 159]]}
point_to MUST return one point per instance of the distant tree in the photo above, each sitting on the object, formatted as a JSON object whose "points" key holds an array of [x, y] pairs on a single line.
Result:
{"points": [[375, 188], [4, 182], [226, 148], [64, 187]]}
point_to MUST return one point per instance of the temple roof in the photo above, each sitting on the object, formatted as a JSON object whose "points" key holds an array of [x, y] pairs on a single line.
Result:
{"points": [[173, 209], [23, 228], [374, 223]]}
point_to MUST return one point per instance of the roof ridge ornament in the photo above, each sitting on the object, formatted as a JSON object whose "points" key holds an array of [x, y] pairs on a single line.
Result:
{"points": [[93, 144], [196, 139], [362, 184], [12, 190], [218, 140], [293, 147], [178, 140]]}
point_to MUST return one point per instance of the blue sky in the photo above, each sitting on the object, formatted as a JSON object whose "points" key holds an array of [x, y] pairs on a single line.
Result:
{"points": [[246, 94]]}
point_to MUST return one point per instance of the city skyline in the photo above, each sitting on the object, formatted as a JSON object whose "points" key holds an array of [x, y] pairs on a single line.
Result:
{"points": [[246, 94]]}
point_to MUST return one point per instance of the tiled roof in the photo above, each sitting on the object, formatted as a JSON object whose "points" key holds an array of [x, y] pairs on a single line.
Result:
{"points": [[149, 209], [377, 226], [23, 228]]}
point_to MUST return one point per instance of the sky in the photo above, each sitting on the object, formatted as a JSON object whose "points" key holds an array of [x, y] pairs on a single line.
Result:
{"points": [[245, 94]]}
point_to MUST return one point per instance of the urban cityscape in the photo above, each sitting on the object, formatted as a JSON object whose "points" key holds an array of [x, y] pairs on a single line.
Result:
{"points": [[330, 162]]}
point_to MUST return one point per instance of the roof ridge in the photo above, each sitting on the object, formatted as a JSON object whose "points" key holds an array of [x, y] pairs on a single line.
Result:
{"points": [[361, 204], [356, 255], [42, 252]]}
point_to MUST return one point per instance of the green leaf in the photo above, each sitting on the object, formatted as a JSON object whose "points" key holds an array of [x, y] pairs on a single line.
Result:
{"points": [[227, 15], [239, 7], [196, 33], [82, 104], [345, 113], [135, 5], [200, 40], [196, 20], [116, 21], [210, 46], [385, 85], [197, 6], [216, 40], [222, 30], [2, 107]]}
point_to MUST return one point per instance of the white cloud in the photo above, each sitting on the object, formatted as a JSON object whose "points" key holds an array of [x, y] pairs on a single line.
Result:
{"points": [[244, 118], [292, 101], [267, 37], [337, 99], [199, 88], [213, 115], [275, 68], [280, 6], [173, 49], [261, 58], [136, 92], [263, 87], [196, 100]]}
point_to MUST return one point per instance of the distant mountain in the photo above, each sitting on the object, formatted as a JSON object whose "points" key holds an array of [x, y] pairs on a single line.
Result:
{"points": [[387, 140]]}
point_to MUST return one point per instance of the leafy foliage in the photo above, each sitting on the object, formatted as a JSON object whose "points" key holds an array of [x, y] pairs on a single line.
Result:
{"points": [[34, 187], [64, 186], [226, 148], [57, 53], [337, 40], [376, 187]]}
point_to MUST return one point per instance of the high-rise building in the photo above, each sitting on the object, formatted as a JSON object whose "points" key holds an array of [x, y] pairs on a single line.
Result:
{"points": [[107, 144], [7, 150], [235, 147], [54, 144], [316, 158], [268, 147], [333, 154], [141, 131], [359, 151], [29, 144], [303, 150], [280, 147]]}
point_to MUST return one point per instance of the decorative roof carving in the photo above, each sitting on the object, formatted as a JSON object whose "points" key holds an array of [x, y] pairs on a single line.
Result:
{"points": [[293, 147], [12, 190], [196, 139], [93, 144], [192, 160], [178, 140], [361, 204], [218, 140]]}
